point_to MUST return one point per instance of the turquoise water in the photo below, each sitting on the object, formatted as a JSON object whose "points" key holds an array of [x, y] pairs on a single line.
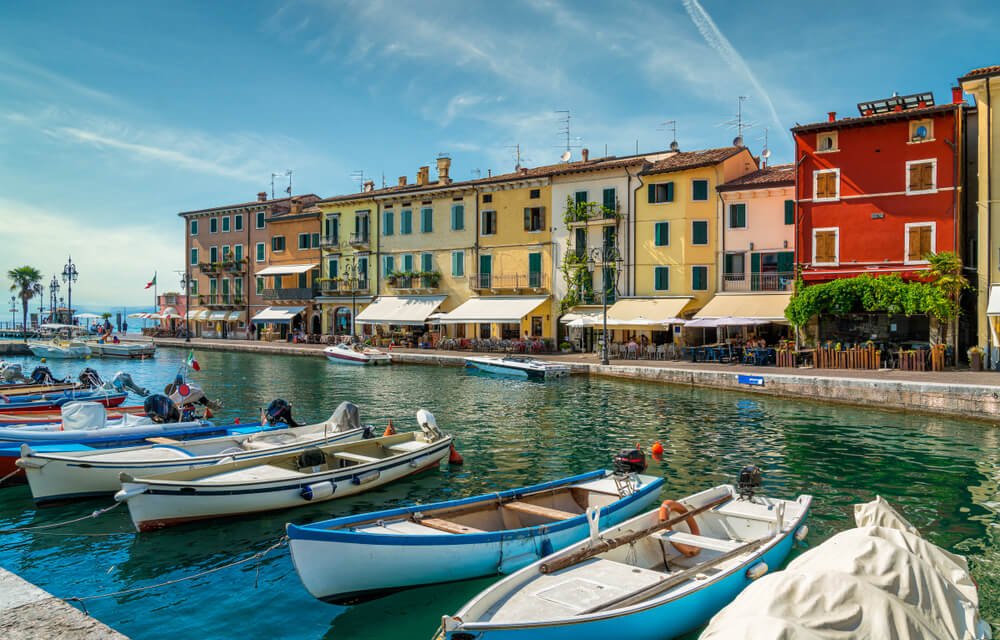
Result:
{"points": [[943, 474]]}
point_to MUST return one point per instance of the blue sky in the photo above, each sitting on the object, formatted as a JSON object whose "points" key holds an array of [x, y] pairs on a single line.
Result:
{"points": [[115, 115]]}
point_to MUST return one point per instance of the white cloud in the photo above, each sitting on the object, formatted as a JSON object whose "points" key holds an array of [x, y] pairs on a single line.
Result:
{"points": [[41, 81]]}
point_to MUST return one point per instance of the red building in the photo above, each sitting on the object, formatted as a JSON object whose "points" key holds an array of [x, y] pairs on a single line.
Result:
{"points": [[877, 192]]}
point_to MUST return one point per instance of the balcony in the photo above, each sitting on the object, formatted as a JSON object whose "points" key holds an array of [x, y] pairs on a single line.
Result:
{"points": [[329, 242], [586, 214], [222, 300], [228, 265], [359, 240], [297, 293], [417, 280], [335, 287], [767, 281], [509, 281]]}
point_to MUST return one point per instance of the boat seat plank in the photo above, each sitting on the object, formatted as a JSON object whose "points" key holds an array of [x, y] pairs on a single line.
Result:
{"points": [[448, 526], [262, 472], [702, 542], [161, 440], [355, 457], [406, 447], [399, 527], [536, 510], [748, 511]]}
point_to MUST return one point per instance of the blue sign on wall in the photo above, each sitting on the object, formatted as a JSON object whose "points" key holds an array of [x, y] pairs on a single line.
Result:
{"points": [[757, 381]]}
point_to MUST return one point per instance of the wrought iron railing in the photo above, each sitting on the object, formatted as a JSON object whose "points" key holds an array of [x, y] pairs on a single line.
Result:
{"points": [[758, 281]]}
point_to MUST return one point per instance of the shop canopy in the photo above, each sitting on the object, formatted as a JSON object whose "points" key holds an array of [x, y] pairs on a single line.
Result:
{"points": [[170, 313], [647, 312], [217, 316], [235, 316], [197, 314], [401, 310], [494, 309], [583, 318], [277, 315], [993, 305], [87, 316], [745, 308], [286, 269]]}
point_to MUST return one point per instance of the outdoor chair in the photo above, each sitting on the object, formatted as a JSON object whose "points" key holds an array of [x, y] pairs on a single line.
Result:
{"points": [[633, 351]]}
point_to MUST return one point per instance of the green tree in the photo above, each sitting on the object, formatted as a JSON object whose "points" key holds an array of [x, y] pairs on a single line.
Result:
{"points": [[945, 273], [27, 282]]}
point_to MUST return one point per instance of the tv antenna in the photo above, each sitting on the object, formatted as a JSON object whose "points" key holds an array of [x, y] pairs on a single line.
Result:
{"points": [[739, 123], [670, 125], [518, 158], [571, 141], [286, 174], [477, 173], [358, 175], [765, 153]]}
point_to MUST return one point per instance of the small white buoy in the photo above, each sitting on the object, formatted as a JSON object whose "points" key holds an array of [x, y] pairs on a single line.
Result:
{"points": [[801, 533], [757, 571]]}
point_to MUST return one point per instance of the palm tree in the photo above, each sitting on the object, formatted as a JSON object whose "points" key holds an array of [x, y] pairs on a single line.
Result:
{"points": [[944, 271], [26, 281]]}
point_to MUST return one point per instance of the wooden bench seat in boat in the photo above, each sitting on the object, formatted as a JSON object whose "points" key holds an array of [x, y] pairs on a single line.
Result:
{"points": [[398, 527], [162, 440], [406, 447], [747, 510], [447, 526], [536, 510], [355, 457], [702, 542], [262, 472]]}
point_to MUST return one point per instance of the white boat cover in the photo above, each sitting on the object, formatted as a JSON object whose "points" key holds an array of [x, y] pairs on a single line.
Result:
{"points": [[278, 314], [408, 310], [83, 415], [880, 580], [761, 305], [286, 269], [500, 309]]}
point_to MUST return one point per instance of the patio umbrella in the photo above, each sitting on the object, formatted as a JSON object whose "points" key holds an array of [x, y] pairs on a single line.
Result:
{"points": [[88, 316]]}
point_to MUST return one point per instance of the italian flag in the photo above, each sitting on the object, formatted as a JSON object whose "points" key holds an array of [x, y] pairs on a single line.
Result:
{"points": [[151, 282], [192, 363]]}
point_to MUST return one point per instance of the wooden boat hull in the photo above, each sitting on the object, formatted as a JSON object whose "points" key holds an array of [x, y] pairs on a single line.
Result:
{"points": [[345, 565], [53, 401]]}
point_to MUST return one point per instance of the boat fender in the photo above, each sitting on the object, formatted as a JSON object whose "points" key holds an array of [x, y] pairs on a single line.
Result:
{"points": [[757, 571], [801, 533], [226, 460], [124, 495], [454, 457], [365, 478], [389, 430], [319, 490], [594, 520], [669, 506], [30, 463]]}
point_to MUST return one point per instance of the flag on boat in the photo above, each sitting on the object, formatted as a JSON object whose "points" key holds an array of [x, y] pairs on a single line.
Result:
{"points": [[192, 363], [151, 282]]}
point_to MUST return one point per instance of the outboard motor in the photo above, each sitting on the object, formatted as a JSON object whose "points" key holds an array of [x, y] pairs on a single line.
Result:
{"points": [[42, 375], [749, 482], [630, 461], [161, 409], [12, 372], [279, 411], [124, 382], [90, 379], [345, 418]]}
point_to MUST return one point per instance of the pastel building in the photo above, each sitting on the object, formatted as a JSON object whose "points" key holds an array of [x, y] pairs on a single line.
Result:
{"points": [[349, 260]]}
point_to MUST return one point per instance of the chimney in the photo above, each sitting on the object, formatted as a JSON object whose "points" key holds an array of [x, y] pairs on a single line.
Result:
{"points": [[831, 116], [585, 153], [402, 181], [296, 205], [422, 175], [369, 185], [444, 165], [262, 196], [956, 95]]}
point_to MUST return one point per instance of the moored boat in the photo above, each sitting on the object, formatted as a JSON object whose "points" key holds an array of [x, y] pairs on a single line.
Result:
{"points": [[355, 354], [137, 350], [519, 366], [362, 556], [48, 416], [644, 579], [281, 481]]}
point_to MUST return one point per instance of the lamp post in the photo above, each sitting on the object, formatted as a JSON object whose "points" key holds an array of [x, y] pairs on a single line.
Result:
{"points": [[53, 298], [186, 281], [351, 271], [39, 290], [69, 276], [13, 312], [604, 255]]}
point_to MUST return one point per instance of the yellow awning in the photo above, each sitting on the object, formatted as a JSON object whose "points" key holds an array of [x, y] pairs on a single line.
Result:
{"points": [[755, 306], [650, 312]]}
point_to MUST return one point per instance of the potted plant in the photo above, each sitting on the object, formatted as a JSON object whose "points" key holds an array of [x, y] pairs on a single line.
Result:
{"points": [[975, 358], [565, 347]]}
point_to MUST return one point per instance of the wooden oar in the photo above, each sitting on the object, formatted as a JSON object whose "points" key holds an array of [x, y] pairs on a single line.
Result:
{"points": [[602, 545], [647, 592]]}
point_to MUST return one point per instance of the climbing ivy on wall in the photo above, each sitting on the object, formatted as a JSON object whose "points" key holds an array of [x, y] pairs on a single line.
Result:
{"points": [[888, 294]]}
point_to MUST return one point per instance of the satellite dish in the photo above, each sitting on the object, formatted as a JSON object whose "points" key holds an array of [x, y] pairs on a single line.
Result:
{"points": [[674, 146], [738, 141], [766, 153], [565, 156]]}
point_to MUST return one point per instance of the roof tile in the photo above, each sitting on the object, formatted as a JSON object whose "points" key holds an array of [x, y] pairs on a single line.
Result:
{"points": [[692, 159], [776, 175]]}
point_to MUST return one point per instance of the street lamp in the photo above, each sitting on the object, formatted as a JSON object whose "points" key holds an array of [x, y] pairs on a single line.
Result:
{"points": [[53, 293], [186, 281], [351, 271], [39, 290], [607, 254], [13, 311], [69, 276]]}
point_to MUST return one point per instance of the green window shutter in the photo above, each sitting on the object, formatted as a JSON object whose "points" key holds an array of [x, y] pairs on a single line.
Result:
{"points": [[786, 262], [670, 192], [527, 218], [580, 196], [458, 263], [789, 212], [485, 264], [651, 193], [387, 223], [458, 217], [662, 233], [194, 227], [315, 240], [699, 278], [737, 216], [239, 252], [408, 262], [426, 262], [426, 220], [699, 190], [534, 263], [699, 232], [661, 276], [610, 199]]}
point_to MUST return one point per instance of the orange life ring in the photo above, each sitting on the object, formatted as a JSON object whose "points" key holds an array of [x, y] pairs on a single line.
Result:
{"points": [[670, 505]]}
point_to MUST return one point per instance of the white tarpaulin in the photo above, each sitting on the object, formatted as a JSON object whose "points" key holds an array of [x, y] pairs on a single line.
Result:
{"points": [[499, 309], [286, 269], [278, 315], [880, 580], [400, 310]]}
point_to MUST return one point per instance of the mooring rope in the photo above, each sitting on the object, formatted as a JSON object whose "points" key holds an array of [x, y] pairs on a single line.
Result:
{"points": [[10, 475], [259, 557], [64, 522]]}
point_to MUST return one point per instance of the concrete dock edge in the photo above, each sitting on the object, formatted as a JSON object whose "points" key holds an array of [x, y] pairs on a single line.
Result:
{"points": [[28, 613]]}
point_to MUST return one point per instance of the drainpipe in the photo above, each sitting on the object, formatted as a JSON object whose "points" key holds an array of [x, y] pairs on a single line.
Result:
{"points": [[989, 225], [629, 223], [635, 240], [247, 284], [798, 244]]}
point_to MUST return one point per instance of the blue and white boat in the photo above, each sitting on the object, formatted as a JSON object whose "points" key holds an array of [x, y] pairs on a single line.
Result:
{"points": [[363, 556], [518, 366], [640, 580]]}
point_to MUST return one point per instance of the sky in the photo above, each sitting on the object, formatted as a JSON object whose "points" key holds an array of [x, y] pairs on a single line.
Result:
{"points": [[115, 115]]}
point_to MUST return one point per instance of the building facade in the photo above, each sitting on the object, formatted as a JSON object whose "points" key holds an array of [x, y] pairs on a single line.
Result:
{"points": [[349, 270]]}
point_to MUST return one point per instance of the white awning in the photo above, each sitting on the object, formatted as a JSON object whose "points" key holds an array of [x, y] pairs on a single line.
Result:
{"points": [[142, 315], [170, 313], [216, 316], [647, 312], [235, 316], [197, 314], [279, 315], [753, 306], [286, 269], [993, 305], [587, 316], [499, 309], [408, 310]]}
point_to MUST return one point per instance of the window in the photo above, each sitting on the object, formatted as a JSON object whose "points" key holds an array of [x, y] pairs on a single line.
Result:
{"points": [[314, 240], [387, 223], [238, 222], [363, 273], [225, 224], [737, 216], [333, 268], [661, 234], [699, 232], [699, 278], [259, 257], [458, 263], [826, 185], [194, 227], [534, 218], [213, 225], [921, 131], [194, 287], [580, 196], [260, 286], [661, 192], [826, 246], [426, 220], [238, 252], [661, 278], [789, 212], [919, 242], [699, 190], [213, 254], [405, 222], [426, 261], [278, 243], [534, 194], [735, 265], [487, 198], [225, 252], [610, 199], [260, 219], [921, 176], [388, 265], [303, 241], [331, 229], [194, 255], [407, 263], [535, 270], [826, 142], [457, 217], [489, 224], [238, 288]]}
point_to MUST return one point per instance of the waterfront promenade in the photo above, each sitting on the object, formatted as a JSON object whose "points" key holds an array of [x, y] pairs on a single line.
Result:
{"points": [[28, 612], [956, 393]]}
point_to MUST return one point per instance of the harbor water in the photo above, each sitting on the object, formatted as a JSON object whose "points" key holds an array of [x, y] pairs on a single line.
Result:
{"points": [[943, 474]]}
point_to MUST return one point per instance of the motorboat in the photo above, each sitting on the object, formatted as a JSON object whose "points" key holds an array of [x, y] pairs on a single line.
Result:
{"points": [[659, 575], [47, 401], [61, 476], [137, 350], [356, 354], [519, 366], [53, 416], [359, 557], [64, 342], [280, 481]]}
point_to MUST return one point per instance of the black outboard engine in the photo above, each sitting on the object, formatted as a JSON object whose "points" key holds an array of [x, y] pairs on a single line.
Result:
{"points": [[749, 482], [161, 409], [279, 411], [124, 382], [90, 378], [42, 375], [630, 461]]}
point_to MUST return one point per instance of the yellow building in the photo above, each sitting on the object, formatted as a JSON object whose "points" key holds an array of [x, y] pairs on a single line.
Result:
{"points": [[349, 263]]}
